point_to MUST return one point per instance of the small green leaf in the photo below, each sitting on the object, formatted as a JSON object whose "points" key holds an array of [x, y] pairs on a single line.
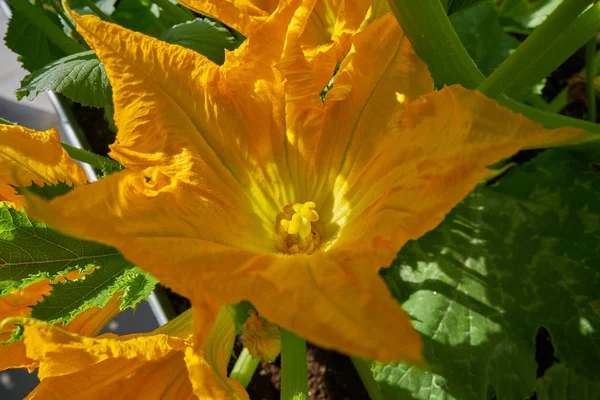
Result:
{"points": [[137, 287], [482, 35], [34, 48], [525, 14], [80, 77], [108, 166], [46, 191], [562, 383], [6, 122], [31, 251], [203, 35], [70, 298], [511, 258]]}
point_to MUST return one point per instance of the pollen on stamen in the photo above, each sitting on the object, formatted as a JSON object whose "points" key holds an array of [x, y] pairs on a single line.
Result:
{"points": [[296, 229]]}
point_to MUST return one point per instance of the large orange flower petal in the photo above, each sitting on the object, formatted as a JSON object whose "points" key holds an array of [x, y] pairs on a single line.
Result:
{"points": [[211, 364], [18, 304], [329, 20], [169, 99], [159, 365], [327, 299], [73, 367], [245, 16], [448, 140], [362, 108], [28, 156]]}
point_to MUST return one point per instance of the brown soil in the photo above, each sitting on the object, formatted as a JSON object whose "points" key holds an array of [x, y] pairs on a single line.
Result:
{"points": [[331, 376]]}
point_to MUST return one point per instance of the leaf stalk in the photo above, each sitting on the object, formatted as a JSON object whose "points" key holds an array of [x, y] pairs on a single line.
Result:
{"points": [[244, 367], [294, 381]]}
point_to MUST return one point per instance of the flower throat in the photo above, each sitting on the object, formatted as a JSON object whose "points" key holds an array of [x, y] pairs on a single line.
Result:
{"points": [[296, 229]]}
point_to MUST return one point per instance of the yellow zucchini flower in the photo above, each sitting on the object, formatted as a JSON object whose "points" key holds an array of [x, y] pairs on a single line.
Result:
{"points": [[241, 184], [159, 365]]}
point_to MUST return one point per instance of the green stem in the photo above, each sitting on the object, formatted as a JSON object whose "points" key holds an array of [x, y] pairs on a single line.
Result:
{"points": [[96, 10], [174, 10], [55, 34], [430, 32], [363, 367], [59, 10], [244, 367], [521, 69], [548, 119], [537, 101], [590, 51], [95, 160], [561, 100], [294, 382]]}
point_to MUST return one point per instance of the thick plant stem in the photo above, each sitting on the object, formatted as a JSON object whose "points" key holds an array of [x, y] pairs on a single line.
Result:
{"points": [[173, 10], [294, 381], [96, 10], [521, 70], [244, 367], [363, 367], [95, 160], [37, 17], [431, 34], [590, 52]]}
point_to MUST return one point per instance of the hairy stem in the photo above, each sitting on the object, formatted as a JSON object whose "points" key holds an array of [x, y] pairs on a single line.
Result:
{"points": [[95, 160], [244, 367], [294, 381]]}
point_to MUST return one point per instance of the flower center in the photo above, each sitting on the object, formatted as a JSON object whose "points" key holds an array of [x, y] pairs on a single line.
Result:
{"points": [[296, 229]]}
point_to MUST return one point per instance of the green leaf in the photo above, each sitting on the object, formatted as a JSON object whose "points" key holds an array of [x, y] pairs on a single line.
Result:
{"points": [[6, 122], [80, 77], [46, 191], [511, 258], [203, 35], [79, 6], [137, 287], [31, 251], [34, 48], [561, 383], [482, 35], [139, 15], [525, 14], [70, 298]]}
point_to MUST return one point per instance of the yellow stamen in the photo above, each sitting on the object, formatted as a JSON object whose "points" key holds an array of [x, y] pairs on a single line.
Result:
{"points": [[295, 230]]}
